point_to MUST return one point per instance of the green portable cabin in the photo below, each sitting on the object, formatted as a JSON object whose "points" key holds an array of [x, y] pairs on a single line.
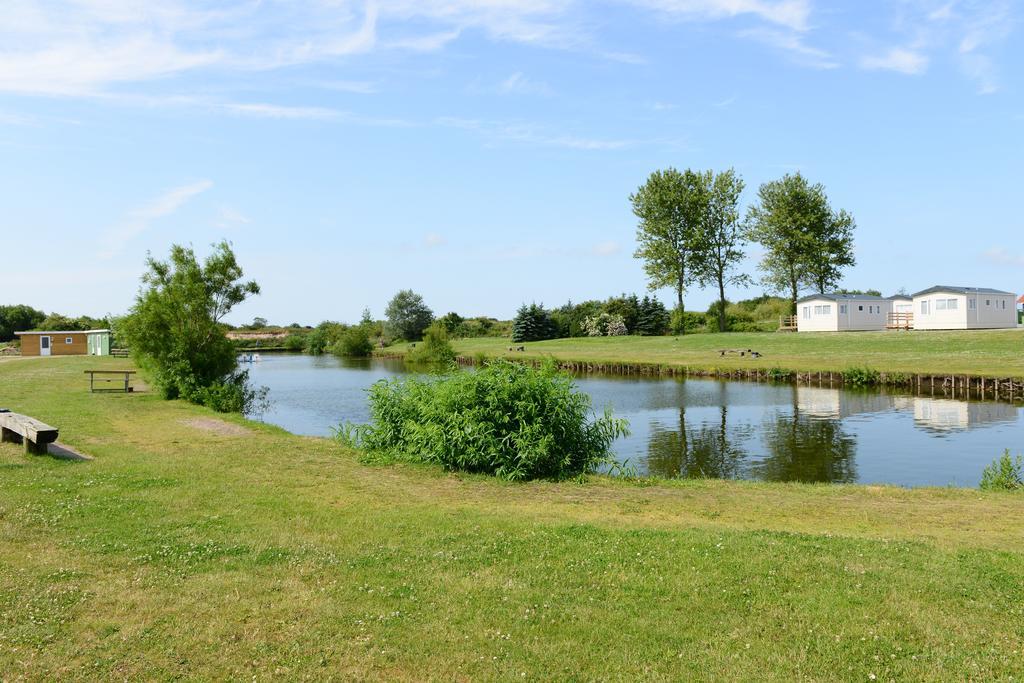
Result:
{"points": [[65, 343], [98, 342]]}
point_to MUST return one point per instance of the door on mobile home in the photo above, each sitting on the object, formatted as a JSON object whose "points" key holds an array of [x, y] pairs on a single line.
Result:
{"points": [[44, 346]]}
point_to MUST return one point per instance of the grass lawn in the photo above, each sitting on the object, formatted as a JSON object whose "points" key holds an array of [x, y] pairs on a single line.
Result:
{"points": [[198, 546], [990, 353]]}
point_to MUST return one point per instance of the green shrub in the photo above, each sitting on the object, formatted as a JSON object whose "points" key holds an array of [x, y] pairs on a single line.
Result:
{"points": [[861, 377], [507, 419], [779, 375], [233, 394], [687, 322], [1004, 474], [434, 348], [294, 342], [354, 343]]}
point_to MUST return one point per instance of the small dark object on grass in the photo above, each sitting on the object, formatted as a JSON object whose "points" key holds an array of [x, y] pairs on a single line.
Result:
{"points": [[741, 352]]}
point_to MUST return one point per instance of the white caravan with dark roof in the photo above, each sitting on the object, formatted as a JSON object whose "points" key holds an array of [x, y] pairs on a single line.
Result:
{"points": [[841, 312], [964, 308]]}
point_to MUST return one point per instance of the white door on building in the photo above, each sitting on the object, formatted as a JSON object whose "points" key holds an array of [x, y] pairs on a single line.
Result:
{"points": [[44, 346]]}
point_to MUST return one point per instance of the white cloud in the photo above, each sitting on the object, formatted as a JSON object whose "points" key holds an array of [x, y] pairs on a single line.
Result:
{"points": [[138, 220], [609, 248], [942, 13], [228, 218], [356, 87], [984, 29], [518, 84], [1002, 256], [897, 59], [793, 14], [981, 69], [496, 132], [523, 21], [85, 47], [432, 240], [794, 44], [275, 111], [964, 31], [624, 57]]}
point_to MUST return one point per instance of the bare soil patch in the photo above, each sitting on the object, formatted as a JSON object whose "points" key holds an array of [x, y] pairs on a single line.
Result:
{"points": [[215, 426]]}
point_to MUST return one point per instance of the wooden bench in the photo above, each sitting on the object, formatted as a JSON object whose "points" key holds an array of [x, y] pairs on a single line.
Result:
{"points": [[122, 380], [34, 434]]}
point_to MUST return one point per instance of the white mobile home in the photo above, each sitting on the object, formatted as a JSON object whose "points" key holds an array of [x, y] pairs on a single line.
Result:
{"points": [[841, 312], [902, 303], [963, 308]]}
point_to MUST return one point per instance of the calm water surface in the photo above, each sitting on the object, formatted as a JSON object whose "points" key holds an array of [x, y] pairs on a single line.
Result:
{"points": [[712, 428]]}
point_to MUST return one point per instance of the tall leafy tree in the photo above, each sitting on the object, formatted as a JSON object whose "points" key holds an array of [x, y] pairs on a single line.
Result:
{"points": [[722, 238], [408, 316], [174, 328], [832, 250], [805, 241], [671, 208], [18, 318]]}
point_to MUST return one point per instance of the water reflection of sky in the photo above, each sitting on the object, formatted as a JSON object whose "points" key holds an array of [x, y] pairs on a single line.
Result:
{"points": [[710, 428]]}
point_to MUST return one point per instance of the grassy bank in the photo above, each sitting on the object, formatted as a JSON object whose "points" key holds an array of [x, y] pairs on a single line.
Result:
{"points": [[986, 353], [200, 546]]}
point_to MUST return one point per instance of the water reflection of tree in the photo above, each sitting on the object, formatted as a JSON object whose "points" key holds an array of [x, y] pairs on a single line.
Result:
{"points": [[804, 448], [690, 452], [798, 446]]}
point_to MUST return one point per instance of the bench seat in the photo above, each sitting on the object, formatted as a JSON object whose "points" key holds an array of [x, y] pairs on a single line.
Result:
{"points": [[34, 434]]}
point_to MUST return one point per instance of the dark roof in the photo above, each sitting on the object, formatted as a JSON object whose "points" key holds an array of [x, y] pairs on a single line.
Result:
{"points": [[901, 297], [60, 332], [962, 290], [841, 297]]}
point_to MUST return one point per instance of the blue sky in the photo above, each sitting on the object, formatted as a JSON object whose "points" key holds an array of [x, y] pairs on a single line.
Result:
{"points": [[482, 152]]}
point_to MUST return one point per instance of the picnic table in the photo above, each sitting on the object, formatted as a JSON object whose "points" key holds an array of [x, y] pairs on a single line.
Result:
{"points": [[120, 378]]}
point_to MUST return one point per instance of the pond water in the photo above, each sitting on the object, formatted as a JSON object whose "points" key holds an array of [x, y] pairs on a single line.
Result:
{"points": [[712, 428]]}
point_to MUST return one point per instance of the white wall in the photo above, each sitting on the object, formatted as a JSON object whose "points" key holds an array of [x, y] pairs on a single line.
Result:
{"points": [[936, 311], [864, 315], [842, 315], [811, 316]]}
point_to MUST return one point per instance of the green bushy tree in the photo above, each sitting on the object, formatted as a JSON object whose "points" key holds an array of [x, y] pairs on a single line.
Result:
{"points": [[354, 343], [670, 207], [532, 323], [806, 242], [174, 328], [18, 318], [408, 316], [453, 323]]}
